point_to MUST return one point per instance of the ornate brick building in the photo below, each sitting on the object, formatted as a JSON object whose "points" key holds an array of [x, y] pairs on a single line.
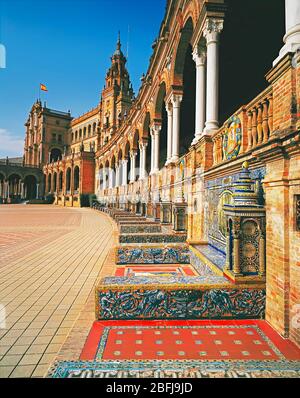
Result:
{"points": [[234, 186]]}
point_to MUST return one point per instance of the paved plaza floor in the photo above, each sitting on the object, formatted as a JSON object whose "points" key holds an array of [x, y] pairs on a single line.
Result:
{"points": [[50, 260]]}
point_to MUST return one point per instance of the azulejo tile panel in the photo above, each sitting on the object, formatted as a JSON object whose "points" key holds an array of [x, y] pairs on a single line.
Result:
{"points": [[140, 228], [175, 369], [179, 302], [152, 238], [155, 255]]}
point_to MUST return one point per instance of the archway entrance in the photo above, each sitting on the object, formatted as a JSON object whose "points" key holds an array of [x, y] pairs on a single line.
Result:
{"points": [[30, 187], [188, 105], [76, 179], [185, 73], [161, 114], [2, 180], [14, 188]]}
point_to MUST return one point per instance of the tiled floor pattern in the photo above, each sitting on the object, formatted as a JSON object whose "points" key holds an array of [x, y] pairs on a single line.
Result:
{"points": [[187, 340], [155, 270], [51, 266]]}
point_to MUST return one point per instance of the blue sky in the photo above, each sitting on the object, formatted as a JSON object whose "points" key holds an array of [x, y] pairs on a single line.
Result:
{"points": [[67, 44]]}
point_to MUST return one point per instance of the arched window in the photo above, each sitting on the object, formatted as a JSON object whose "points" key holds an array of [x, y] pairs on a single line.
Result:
{"points": [[89, 130]]}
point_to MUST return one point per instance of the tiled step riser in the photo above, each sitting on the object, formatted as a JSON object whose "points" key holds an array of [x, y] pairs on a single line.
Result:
{"points": [[152, 238], [143, 228], [153, 255], [179, 302], [131, 219]]}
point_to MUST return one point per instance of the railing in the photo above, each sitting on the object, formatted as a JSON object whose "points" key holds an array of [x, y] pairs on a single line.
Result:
{"points": [[256, 127], [260, 119]]}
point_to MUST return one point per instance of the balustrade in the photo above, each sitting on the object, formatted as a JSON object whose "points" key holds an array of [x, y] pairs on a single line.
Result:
{"points": [[256, 127]]}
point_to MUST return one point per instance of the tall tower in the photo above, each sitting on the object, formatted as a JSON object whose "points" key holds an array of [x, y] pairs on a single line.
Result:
{"points": [[117, 95]]}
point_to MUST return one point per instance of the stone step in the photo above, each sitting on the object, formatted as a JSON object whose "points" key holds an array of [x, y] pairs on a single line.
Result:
{"points": [[152, 238]]}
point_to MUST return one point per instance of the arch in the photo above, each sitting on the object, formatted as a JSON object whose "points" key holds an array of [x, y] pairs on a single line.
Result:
{"points": [[68, 180], [184, 42], [146, 126], [55, 181], [55, 155], [30, 186], [126, 150], [76, 178], [135, 140], [160, 98], [14, 182], [49, 182], [60, 180]]}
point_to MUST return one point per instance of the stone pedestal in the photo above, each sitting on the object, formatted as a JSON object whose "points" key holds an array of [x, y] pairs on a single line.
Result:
{"points": [[166, 213], [180, 217], [245, 241]]}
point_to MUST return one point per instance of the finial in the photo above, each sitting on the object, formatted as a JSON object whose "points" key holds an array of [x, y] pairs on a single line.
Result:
{"points": [[245, 165], [119, 41]]}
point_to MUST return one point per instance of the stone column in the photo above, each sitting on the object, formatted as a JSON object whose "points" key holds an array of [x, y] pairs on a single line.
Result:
{"points": [[169, 110], [176, 101], [156, 134], [104, 178], [37, 190], [143, 147], [117, 175], [110, 178], [22, 190], [212, 31], [133, 155], [292, 29], [152, 150], [262, 255], [199, 56], [124, 173], [236, 248]]}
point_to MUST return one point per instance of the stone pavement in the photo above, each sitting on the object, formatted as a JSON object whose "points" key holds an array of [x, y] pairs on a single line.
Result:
{"points": [[50, 260]]}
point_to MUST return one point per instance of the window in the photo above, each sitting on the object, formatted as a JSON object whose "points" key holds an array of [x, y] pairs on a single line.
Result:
{"points": [[53, 137], [60, 138], [297, 200]]}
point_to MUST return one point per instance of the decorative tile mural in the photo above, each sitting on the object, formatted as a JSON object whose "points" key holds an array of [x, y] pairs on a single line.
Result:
{"points": [[175, 369], [232, 138], [153, 255], [183, 303], [140, 228], [152, 238]]}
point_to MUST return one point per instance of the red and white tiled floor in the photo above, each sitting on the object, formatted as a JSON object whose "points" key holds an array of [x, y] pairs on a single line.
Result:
{"points": [[155, 270], [187, 340]]}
